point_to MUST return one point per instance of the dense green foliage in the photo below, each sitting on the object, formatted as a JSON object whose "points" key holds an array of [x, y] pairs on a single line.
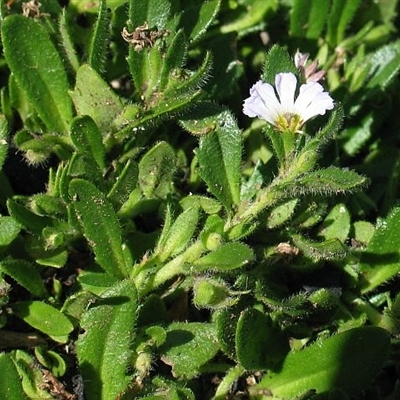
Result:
{"points": [[157, 243]]}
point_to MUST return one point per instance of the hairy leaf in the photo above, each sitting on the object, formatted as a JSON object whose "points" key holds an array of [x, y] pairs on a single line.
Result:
{"points": [[156, 169], [340, 16], [326, 181], [100, 38], [100, 226], [9, 230], [278, 60], [92, 96], [259, 345], [38, 70], [10, 381], [87, 138], [188, 347], [219, 156], [308, 18], [339, 362], [105, 347], [380, 261], [26, 275], [44, 318], [226, 257]]}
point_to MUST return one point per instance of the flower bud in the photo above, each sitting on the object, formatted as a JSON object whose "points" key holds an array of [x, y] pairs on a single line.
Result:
{"points": [[210, 293]]}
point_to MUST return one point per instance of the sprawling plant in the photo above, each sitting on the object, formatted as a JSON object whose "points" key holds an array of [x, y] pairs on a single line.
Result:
{"points": [[152, 248]]}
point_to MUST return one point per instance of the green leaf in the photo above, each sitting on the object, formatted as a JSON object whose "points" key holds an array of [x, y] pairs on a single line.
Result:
{"points": [[31, 375], [156, 169], [180, 92], [219, 156], [281, 213], [225, 258], [105, 348], [146, 69], [385, 64], [174, 58], [76, 304], [44, 318], [317, 251], [340, 362], [100, 226], [96, 282], [309, 214], [10, 381], [251, 15], [43, 204], [354, 138], [87, 138], [26, 275], [67, 43], [209, 206], [3, 139], [176, 238], [93, 96], [328, 181], [197, 17], [308, 18], [124, 184], [363, 231], [88, 6], [226, 321], [51, 361], [196, 80], [38, 70], [341, 14], [381, 259], [258, 344], [152, 311], [155, 13], [336, 224], [30, 221], [306, 159], [9, 230], [188, 347], [387, 11], [277, 60], [98, 46], [202, 119], [85, 167]]}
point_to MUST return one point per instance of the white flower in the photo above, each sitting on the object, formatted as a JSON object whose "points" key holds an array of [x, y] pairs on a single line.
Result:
{"points": [[283, 111]]}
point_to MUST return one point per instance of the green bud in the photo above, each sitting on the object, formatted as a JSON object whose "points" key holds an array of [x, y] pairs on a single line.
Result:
{"points": [[4, 290], [212, 241], [210, 293], [35, 158], [325, 298], [143, 363]]}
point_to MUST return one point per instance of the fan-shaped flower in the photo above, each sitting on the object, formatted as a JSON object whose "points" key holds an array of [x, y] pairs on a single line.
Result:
{"points": [[280, 108]]}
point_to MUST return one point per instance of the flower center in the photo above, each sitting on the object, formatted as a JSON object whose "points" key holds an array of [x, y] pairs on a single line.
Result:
{"points": [[289, 122]]}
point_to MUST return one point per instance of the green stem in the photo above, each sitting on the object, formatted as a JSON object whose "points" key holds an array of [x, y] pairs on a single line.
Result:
{"points": [[372, 313], [175, 267], [288, 139], [247, 212], [227, 382]]}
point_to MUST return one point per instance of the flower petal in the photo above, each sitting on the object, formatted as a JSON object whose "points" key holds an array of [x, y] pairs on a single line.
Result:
{"points": [[262, 102], [312, 101], [286, 84], [300, 59]]}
